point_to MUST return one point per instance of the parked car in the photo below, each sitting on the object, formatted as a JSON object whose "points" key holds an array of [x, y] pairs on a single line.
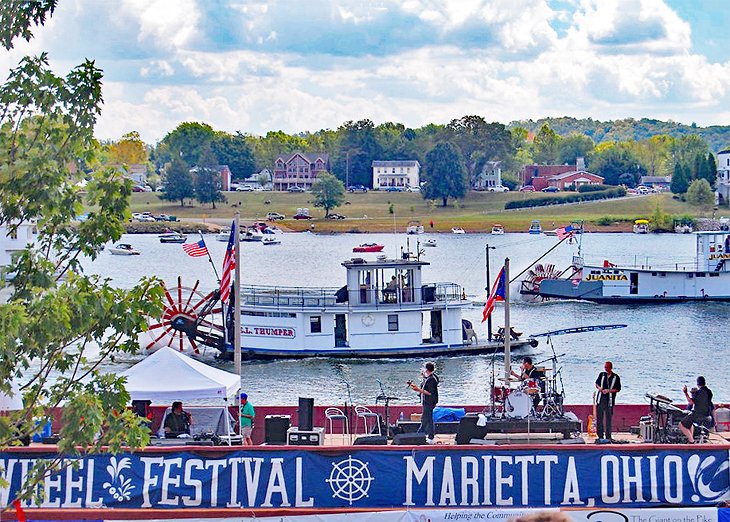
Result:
{"points": [[394, 189], [498, 188], [527, 188], [274, 216], [137, 188], [335, 216], [413, 189], [244, 188], [551, 189], [296, 189], [302, 216], [162, 217], [357, 188]]}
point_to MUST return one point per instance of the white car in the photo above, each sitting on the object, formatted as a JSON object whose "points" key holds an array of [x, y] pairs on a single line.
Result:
{"points": [[413, 189], [498, 188], [245, 188]]}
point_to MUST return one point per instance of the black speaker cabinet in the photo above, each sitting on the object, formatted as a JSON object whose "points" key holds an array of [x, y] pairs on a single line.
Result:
{"points": [[141, 408], [275, 427], [371, 440], [306, 414], [409, 439], [468, 430]]}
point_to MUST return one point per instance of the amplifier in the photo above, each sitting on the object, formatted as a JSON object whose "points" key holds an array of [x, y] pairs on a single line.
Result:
{"points": [[297, 437], [275, 428], [646, 430]]}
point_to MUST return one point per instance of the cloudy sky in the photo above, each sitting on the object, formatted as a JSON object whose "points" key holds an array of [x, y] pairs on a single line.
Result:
{"points": [[296, 65]]}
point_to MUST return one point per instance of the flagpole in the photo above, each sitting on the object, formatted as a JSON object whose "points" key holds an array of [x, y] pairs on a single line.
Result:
{"points": [[209, 258], [507, 330], [237, 297], [489, 282]]}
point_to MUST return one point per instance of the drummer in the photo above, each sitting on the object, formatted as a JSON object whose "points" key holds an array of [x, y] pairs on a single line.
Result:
{"points": [[529, 372]]}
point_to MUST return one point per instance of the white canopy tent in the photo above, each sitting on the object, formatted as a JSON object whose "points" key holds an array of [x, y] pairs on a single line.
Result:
{"points": [[168, 375], [12, 401]]}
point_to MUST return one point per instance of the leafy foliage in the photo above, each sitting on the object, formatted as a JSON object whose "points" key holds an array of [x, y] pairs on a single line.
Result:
{"points": [[700, 194], [680, 179], [178, 182], [543, 201], [17, 16], [328, 192], [207, 179], [446, 175]]}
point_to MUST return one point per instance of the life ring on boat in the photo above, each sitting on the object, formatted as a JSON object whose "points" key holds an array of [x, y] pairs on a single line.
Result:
{"points": [[368, 320]]}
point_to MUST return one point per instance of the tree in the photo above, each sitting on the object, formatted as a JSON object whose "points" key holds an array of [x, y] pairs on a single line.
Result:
{"points": [[573, 147], [710, 169], [232, 150], [700, 194], [189, 140], [680, 182], [129, 150], [479, 141], [178, 182], [328, 192], [445, 174], [208, 179], [57, 318], [617, 164], [546, 146]]}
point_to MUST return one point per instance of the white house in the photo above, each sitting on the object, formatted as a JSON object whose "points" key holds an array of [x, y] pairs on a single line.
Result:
{"points": [[490, 176], [400, 173], [723, 177], [12, 241], [253, 179]]}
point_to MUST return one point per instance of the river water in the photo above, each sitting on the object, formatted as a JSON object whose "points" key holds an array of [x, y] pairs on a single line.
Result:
{"points": [[663, 347]]}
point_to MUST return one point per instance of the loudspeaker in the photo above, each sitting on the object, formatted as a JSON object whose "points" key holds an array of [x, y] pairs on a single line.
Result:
{"points": [[371, 440], [409, 439], [275, 427], [468, 430], [306, 414], [140, 408]]}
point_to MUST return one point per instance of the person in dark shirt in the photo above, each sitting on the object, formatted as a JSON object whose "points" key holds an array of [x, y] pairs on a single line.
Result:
{"points": [[608, 385], [177, 422], [429, 398], [529, 372], [701, 402]]}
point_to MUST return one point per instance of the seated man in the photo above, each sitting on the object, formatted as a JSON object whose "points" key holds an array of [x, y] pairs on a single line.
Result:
{"points": [[177, 422], [701, 403]]}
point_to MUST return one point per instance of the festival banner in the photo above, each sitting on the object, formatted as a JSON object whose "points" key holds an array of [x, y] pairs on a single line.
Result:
{"points": [[368, 478]]}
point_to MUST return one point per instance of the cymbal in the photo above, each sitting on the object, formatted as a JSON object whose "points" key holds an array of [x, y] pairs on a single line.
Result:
{"points": [[543, 369], [511, 379]]}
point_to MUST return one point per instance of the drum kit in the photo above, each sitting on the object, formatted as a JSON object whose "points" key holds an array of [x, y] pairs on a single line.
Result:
{"points": [[520, 402]]}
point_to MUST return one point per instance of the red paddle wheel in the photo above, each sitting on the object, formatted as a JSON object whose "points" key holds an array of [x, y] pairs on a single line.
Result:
{"points": [[531, 284], [189, 318]]}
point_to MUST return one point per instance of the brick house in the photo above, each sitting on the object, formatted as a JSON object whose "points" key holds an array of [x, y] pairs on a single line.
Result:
{"points": [[224, 182], [560, 176], [299, 169]]}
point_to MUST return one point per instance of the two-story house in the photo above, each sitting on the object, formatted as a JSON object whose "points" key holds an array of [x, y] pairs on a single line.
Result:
{"points": [[400, 173], [723, 177], [488, 177], [299, 169]]}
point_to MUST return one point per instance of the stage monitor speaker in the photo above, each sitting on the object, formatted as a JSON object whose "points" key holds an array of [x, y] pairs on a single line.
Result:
{"points": [[409, 439], [371, 440], [469, 430], [275, 427], [306, 414], [141, 407]]}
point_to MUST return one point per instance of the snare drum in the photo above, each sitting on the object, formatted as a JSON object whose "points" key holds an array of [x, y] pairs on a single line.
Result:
{"points": [[518, 405], [531, 386], [500, 394]]}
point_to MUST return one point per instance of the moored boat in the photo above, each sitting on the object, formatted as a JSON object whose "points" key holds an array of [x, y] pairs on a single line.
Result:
{"points": [[641, 226], [223, 235], [251, 234], [430, 242], [414, 227], [368, 247], [497, 229], [123, 249], [271, 240], [706, 279], [457, 230], [172, 237], [535, 227]]}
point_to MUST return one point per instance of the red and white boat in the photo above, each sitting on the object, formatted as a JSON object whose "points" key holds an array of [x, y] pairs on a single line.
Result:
{"points": [[369, 247]]}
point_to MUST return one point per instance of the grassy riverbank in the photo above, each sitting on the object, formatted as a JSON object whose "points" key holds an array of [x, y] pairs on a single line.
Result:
{"points": [[371, 212]]}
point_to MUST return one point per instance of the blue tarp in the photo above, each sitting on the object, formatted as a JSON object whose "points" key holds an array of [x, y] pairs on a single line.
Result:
{"points": [[441, 414]]}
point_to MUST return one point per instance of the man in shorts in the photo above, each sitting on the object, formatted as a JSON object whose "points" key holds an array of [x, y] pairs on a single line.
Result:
{"points": [[701, 402], [247, 416]]}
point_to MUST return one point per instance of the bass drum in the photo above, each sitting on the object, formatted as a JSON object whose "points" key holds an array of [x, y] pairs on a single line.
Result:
{"points": [[517, 405]]}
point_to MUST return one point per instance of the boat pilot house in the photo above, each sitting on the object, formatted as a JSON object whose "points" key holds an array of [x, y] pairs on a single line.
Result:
{"points": [[385, 309]]}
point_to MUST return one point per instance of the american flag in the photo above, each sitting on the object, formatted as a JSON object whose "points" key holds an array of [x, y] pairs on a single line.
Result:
{"points": [[196, 249], [229, 263], [497, 294]]}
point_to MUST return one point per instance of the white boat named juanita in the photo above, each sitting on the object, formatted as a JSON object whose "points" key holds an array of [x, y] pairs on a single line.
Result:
{"points": [[706, 279], [385, 310]]}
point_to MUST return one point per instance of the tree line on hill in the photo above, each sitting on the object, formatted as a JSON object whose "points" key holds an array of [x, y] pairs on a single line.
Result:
{"points": [[474, 143]]}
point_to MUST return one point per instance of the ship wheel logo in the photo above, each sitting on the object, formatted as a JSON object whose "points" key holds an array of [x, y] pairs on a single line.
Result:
{"points": [[350, 479]]}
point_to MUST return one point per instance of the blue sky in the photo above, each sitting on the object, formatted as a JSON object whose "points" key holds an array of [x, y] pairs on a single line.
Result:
{"points": [[260, 65]]}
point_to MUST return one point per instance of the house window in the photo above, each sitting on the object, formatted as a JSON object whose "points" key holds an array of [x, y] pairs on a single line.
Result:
{"points": [[392, 322], [315, 324], [393, 172]]}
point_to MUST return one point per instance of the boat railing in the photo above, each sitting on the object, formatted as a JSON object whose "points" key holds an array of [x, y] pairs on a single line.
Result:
{"points": [[296, 297]]}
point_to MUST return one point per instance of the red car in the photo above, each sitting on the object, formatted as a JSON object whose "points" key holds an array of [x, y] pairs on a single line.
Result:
{"points": [[527, 188]]}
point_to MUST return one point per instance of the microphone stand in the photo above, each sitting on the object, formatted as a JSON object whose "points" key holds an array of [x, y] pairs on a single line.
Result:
{"points": [[386, 399], [348, 409]]}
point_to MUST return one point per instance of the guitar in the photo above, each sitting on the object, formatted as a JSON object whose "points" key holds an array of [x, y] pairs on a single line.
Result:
{"points": [[592, 419]]}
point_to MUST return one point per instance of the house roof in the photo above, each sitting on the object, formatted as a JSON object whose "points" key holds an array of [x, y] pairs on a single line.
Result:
{"points": [[726, 151], [311, 157], [397, 163], [573, 173]]}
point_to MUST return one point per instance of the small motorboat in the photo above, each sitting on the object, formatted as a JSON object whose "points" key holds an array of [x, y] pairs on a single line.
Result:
{"points": [[123, 249], [431, 242], [535, 227], [641, 226], [683, 228], [223, 235], [550, 232], [271, 240], [369, 247], [414, 227], [251, 234], [457, 230], [172, 237], [497, 229]]}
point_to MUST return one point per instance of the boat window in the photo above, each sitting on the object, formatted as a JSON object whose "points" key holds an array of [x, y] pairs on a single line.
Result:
{"points": [[714, 274], [700, 274], [392, 322], [315, 324]]}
